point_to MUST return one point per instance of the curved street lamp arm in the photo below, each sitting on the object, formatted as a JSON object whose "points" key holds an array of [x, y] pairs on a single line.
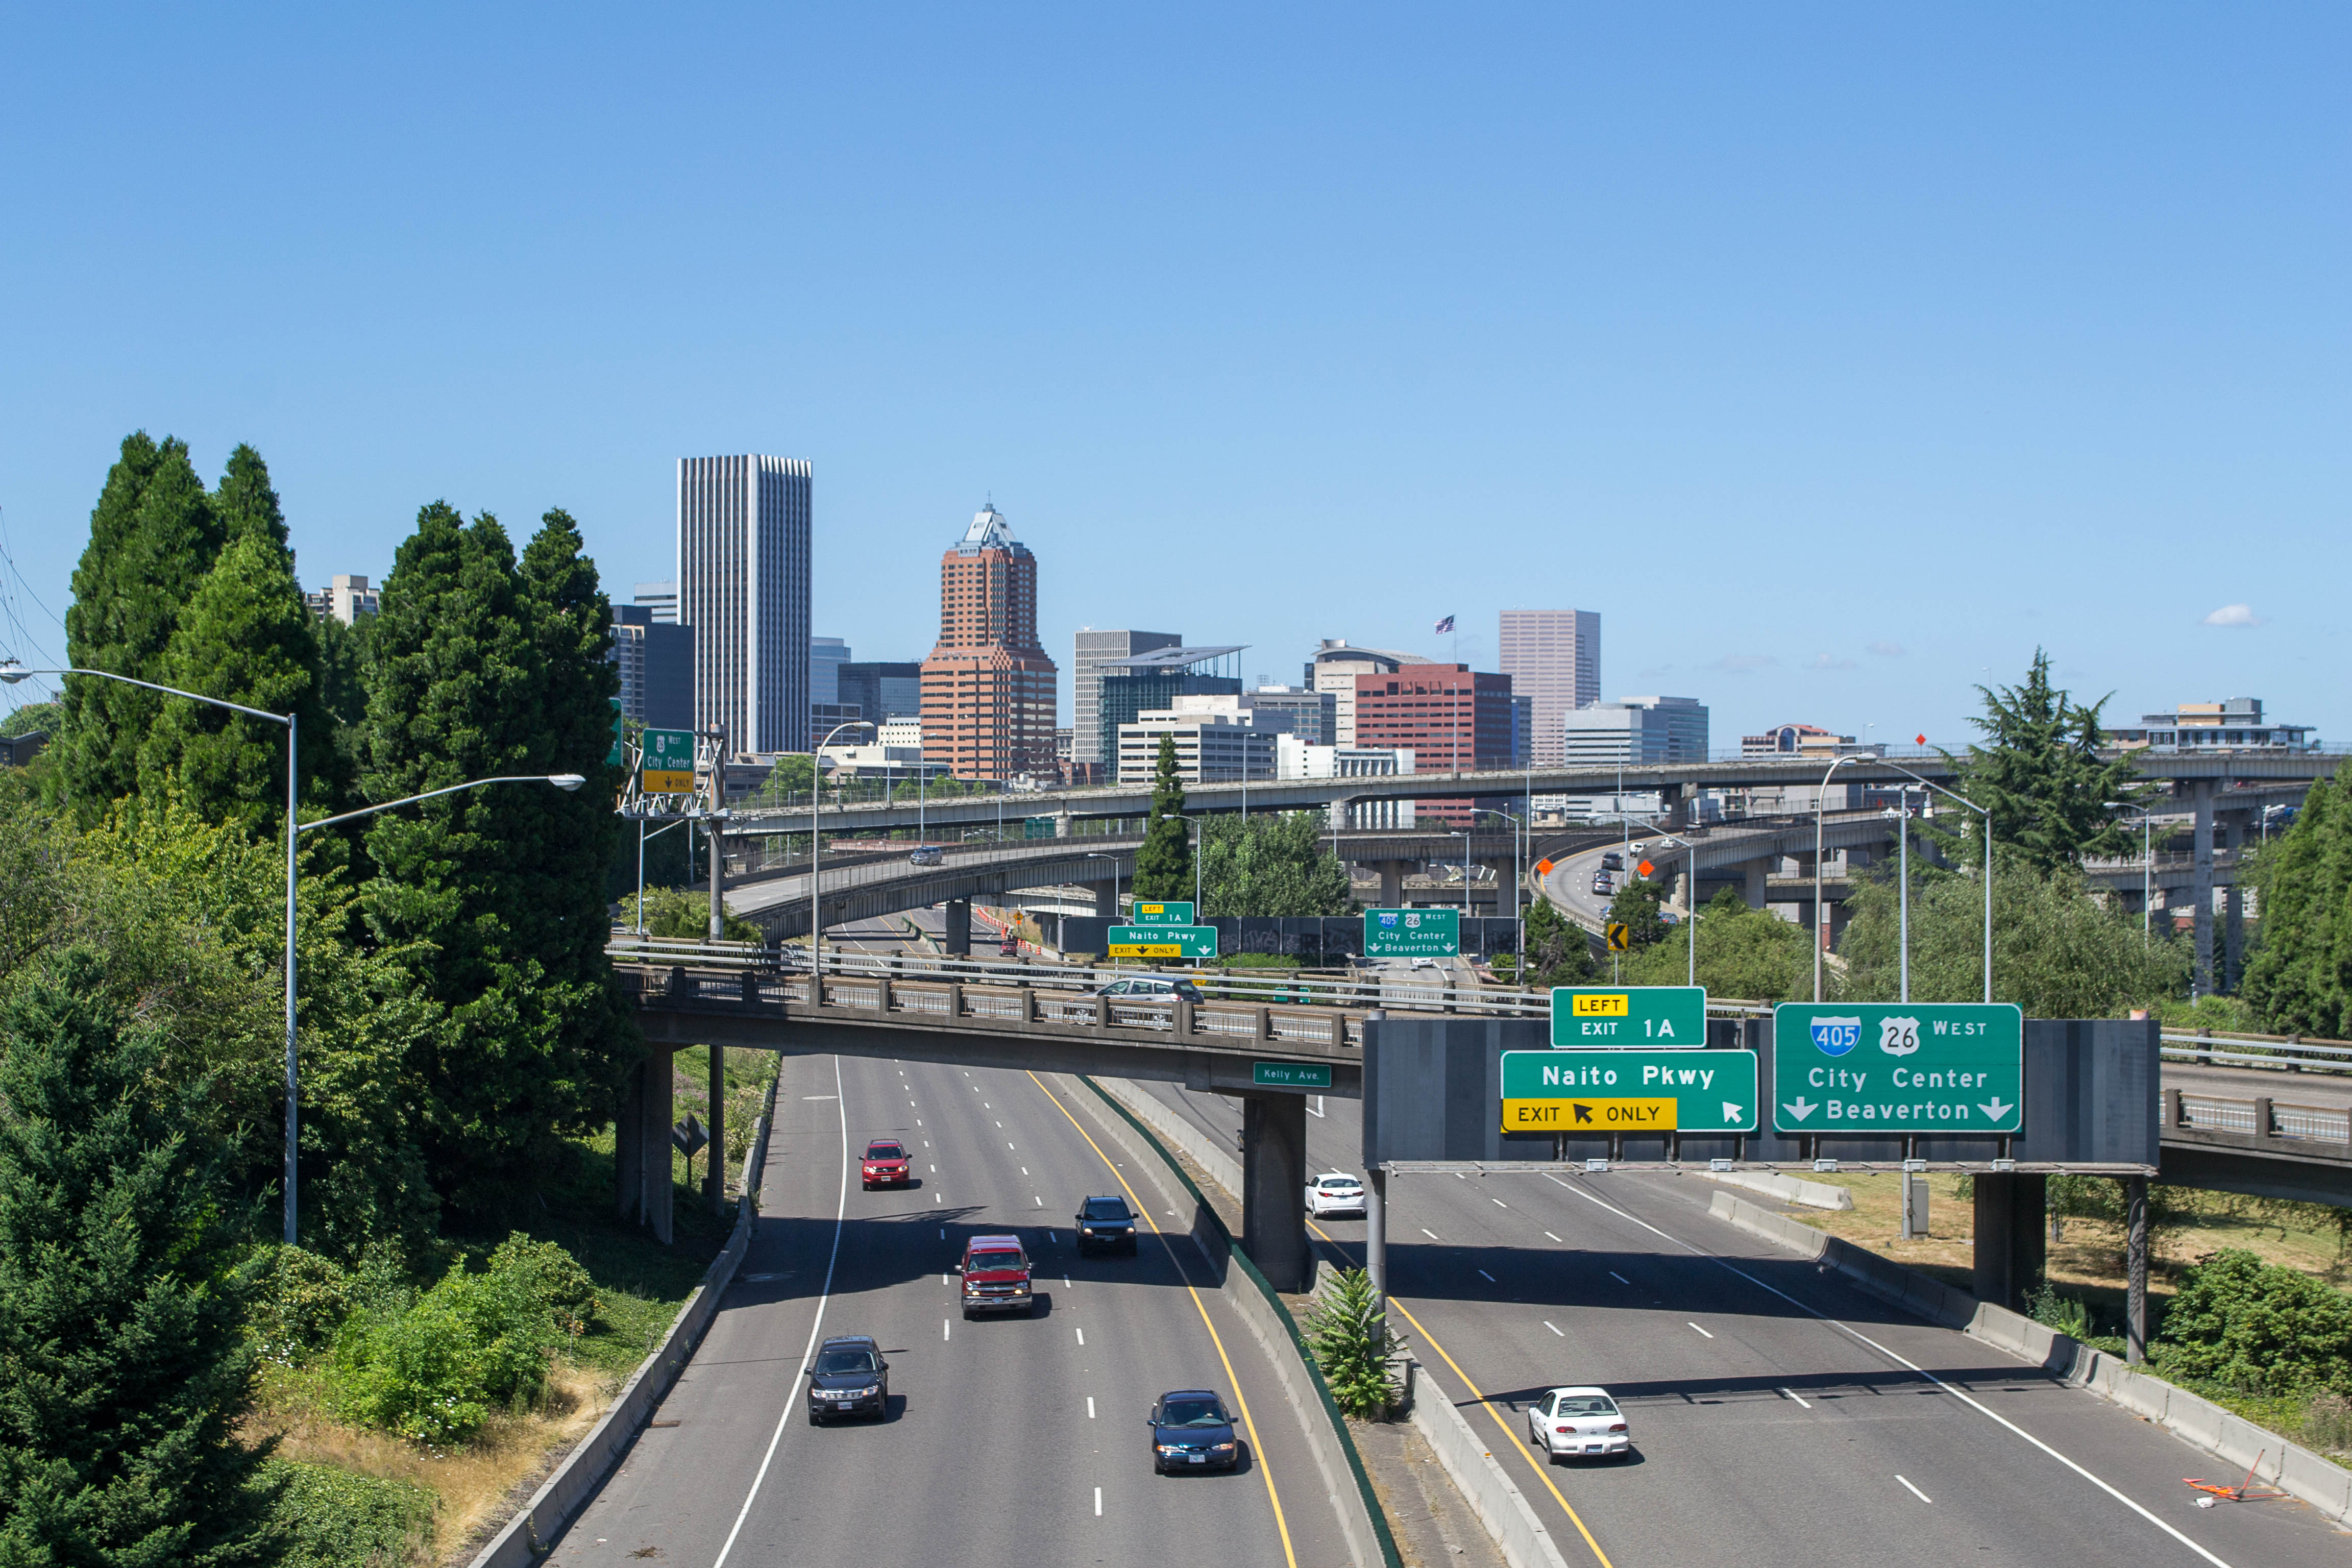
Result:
{"points": [[13, 672], [428, 794]]}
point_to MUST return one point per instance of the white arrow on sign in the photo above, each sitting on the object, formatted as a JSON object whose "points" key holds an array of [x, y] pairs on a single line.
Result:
{"points": [[1731, 1112], [1800, 1106], [1994, 1108]]}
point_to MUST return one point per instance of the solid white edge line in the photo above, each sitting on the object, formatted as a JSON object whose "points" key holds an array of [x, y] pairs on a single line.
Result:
{"points": [[1696, 1326], [1802, 1404], [1916, 1492], [840, 1213], [1548, 1324], [1983, 1410]]}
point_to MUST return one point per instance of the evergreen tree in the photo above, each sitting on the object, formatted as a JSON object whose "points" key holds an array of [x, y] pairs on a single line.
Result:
{"points": [[152, 535], [1163, 863], [2040, 778], [246, 636], [123, 1362], [1636, 908], [1278, 863], [493, 896], [1559, 953], [2299, 975], [247, 503]]}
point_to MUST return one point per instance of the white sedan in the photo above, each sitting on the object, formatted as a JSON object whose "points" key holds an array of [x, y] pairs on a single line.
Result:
{"points": [[1571, 1421], [1334, 1192]]}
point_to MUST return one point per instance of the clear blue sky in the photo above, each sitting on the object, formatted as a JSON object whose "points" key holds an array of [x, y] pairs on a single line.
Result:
{"points": [[1837, 355]]}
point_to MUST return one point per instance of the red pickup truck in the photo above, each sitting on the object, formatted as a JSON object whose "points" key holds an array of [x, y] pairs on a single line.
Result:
{"points": [[995, 1277], [885, 1165]]}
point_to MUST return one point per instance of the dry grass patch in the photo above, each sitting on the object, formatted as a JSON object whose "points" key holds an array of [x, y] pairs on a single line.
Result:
{"points": [[477, 1483]]}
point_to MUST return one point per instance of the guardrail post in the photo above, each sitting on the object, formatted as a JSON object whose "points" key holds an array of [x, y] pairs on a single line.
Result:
{"points": [[2263, 1115], [955, 1001], [882, 994], [677, 979], [1184, 1017], [2295, 1062], [1261, 1025], [2204, 1050], [2171, 1107], [750, 986]]}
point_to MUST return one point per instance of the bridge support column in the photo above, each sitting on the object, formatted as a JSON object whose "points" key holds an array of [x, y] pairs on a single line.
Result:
{"points": [[714, 1180], [1757, 871], [1274, 1174], [957, 942], [2233, 915], [1391, 882], [641, 1145], [2201, 792], [1106, 900], [2012, 1229]]}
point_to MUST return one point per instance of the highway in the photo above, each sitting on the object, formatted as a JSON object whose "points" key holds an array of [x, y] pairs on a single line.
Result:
{"points": [[1007, 1440], [1779, 1415]]}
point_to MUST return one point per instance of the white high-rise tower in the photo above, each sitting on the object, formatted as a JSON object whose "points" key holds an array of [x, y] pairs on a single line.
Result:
{"points": [[743, 586]]}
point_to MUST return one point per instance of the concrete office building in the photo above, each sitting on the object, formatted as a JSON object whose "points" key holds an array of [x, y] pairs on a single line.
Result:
{"points": [[2235, 725], [1091, 740], [345, 599], [1314, 715], [1334, 666], [989, 688], [1553, 657], [881, 691], [661, 600], [1453, 719], [1635, 730], [657, 666], [743, 587], [1218, 740], [1295, 757]]}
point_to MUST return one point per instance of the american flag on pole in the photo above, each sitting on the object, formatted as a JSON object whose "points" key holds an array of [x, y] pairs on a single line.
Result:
{"points": [[1445, 626]]}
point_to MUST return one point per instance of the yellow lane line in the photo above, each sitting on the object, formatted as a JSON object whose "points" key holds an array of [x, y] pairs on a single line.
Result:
{"points": [[1543, 1471], [1144, 1212]]}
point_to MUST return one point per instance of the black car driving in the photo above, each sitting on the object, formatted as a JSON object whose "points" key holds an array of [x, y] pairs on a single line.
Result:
{"points": [[1106, 1222], [1189, 1430], [849, 1377]]}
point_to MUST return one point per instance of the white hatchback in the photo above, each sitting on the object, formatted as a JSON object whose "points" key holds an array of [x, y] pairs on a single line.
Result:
{"points": [[1579, 1421], [1334, 1192]]}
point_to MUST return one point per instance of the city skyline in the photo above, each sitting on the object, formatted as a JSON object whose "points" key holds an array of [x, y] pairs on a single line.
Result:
{"points": [[1838, 366]]}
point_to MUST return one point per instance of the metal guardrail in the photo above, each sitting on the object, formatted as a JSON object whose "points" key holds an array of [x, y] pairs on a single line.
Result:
{"points": [[2290, 1051], [1373, 991], [2260, 1120]]}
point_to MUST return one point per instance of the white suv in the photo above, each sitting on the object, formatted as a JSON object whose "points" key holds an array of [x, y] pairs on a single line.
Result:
{"points": [[1334, 1192]]}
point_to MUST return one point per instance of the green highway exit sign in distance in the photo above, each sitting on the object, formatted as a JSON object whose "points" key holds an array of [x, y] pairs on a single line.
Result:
{"points": [[1413, 933], [1617, 1017], [1629, 1091], [1898, 1070], [1162, 915]]}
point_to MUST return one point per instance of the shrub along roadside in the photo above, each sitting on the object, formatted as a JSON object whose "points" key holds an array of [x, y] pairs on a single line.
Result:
{"points": [[1350, 1339], [329, 1518]]}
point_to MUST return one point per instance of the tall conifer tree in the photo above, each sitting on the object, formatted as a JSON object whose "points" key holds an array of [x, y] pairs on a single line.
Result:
{"points": [[458, 689], [123, 1362], [1163, 863], [152, 535]]}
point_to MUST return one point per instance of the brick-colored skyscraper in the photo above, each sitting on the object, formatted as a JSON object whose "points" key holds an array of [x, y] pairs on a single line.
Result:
{"points": [[988, 687]]}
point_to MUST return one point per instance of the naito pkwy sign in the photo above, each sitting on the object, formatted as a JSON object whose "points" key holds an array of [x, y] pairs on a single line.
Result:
{"points": [[1161, 942], [1898, 1070], [1629, 1091]]}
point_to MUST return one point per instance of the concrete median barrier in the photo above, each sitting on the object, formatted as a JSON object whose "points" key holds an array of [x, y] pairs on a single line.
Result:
{"points": [[1479, 1476]]}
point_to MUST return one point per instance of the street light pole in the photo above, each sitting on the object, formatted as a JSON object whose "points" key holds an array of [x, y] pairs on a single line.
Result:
{"points": [[1521, 924], [1821, 910], [817, 841], [1987, 816]]}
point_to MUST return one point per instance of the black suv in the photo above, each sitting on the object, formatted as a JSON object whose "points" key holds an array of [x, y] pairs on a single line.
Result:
{"points": [[1105, 1222], [849, 1377], [1189, 1430]]}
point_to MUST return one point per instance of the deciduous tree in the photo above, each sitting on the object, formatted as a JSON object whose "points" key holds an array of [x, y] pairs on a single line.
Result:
{"points": [[1276, 863]]}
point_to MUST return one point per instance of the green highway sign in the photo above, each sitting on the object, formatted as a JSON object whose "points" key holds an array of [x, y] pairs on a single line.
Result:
{"points": [[1615, 1017], [1413, 933], [1898, 1070], [1161, 942], [1629, 1091], [618, 753], [668, 767], [1290, 1075], [1145, 914]]}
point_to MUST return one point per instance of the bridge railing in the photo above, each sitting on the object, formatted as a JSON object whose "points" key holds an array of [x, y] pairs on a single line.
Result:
{"points": [[2263, 1119], [2291, 1051], [1261, 988]]}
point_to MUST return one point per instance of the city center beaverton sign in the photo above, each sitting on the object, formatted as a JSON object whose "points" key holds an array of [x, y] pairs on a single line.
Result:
{"points": [[1898, 1070], [1413, 933], [1629, 1091], [1615, 1017]]}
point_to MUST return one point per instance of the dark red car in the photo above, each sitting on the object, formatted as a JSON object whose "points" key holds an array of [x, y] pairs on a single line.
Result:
{"points": [[885, 1165]]}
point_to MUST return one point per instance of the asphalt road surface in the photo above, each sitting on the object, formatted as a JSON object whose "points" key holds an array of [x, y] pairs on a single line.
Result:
{"points": [[1779, 1416], [1007, 1440]]}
